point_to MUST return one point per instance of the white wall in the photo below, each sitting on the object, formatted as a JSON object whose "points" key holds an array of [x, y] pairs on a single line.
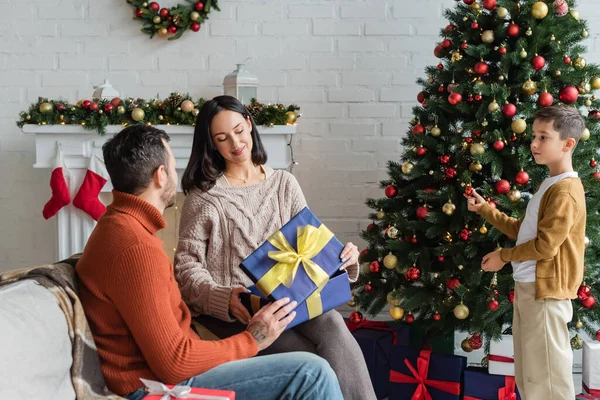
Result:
{"points": [[351, 65]]}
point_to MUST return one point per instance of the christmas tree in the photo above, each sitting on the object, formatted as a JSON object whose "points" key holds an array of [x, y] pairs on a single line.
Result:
{"points": [[500, 62]]}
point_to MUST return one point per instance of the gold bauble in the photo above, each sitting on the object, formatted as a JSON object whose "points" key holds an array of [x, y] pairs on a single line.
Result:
{"points": [[390, 261], [160, 117], [392, 298], [487, 36], [461, 311], [479, 82], [493, 106], [162, 32], [365, 268], [380, 215], [46, 108], [579, 63], [501, 78], [407, 167], [539, 10], [585, 87], [584, 34], [195, 112], [448, 237], [194, 15], [576, 343], [392, 232], [351, 303], [138, 114], [477, 148], [187, 106], [475, 166], [156, 19], [435, 131], [557, 73], [456, 56], [586, 242], [595, 82], [529, 87], [465, 345], [449, 208], [585, 135], [120, 110], [514, 195], [502, 12], [518, 125], [579, 325], [290, 118], [397, 312], [523, 53], [574, 13], [587, 102], [483, 230], [460, 267]]}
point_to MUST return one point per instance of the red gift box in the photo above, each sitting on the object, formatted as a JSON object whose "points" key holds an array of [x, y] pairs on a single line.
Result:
{"points": [[160, 391]]}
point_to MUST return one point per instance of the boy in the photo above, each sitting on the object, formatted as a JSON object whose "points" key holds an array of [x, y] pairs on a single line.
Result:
{"points": [[547, 259]]}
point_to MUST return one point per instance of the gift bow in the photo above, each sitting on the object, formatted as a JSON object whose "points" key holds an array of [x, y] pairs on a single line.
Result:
{"points": [[177, 392], [310, 241], [374, 325], [593, 392], [420, 378]]}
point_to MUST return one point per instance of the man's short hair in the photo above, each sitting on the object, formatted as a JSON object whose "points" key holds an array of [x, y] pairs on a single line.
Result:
{"points": [[566, 120]]}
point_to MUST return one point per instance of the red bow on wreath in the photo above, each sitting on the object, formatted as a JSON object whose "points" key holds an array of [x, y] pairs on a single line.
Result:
{"points": [[504, 393], [420, 378], [374, 325]]}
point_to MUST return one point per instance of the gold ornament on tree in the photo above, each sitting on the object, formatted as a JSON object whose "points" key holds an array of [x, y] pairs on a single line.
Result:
{"points": [[487, 36], [502, 12], [448, 237], [579, 63], [585, 135], [352, 303], [575, 14], [579, 324], [397, 312], [523, 53], [449, 208], [477, 149], [137, 114], [518, 125], [475, 166], [539, 10], [380, 214], [390, 261], [576, 343], [514, 195], [586, 242], [595, 82], [464, 345], [584, 34], [493, 106], [461, 311], [393, 298], [483, 230], [456, 56], [435, 131], [407, 167], [529, 87], [392, 232]]}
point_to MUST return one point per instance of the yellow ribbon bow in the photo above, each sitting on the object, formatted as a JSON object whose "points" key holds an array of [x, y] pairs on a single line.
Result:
{"points": [[310, 241]]}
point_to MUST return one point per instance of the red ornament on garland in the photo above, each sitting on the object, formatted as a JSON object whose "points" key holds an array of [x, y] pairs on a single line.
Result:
{"points": [[409, 318], [94, 107], [567, 60], [418, 129], [195, 27], [444, 159], [509, 110], [493, 305], [199, 6], [108, 108], [489, 4], [412, 274], [545, 99], [368, 287], [538, 62], [375, 267], [154, 6], [86, 104], [589, 302], [422, 212], [481, 68], [164, 12], [437, 316], [511, 296], [584, 292], [60, 107], [502, 186], [568, 94], [522, 177], [115, 102], [498, 145], [391, 191], [139, 13], [356, 317], [452, 283], [450, 173], [513, 30], [469, 2], [454, 98], [475, 342]]}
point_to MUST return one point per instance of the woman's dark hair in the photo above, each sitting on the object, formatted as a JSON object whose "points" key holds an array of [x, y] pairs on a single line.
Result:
{"points": [[206, 164]]}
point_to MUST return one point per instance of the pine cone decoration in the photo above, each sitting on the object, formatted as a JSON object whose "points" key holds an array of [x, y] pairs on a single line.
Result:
{"points": [[177, 20], [174, 100]]}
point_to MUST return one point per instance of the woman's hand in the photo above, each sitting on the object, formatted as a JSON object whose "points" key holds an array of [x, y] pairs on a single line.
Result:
{"points": [[236, 308], [349, 256]]}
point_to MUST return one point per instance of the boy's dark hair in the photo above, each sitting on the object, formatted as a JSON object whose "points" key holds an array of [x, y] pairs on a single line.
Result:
{"points": [[133, 155], [567, 121]]}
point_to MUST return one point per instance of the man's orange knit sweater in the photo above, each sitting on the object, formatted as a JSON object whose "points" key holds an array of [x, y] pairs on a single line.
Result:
{"points": [[140, 324]]}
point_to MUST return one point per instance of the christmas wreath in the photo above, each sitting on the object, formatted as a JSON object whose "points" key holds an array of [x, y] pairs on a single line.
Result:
{"points": [[177, 109], [172, 23]]}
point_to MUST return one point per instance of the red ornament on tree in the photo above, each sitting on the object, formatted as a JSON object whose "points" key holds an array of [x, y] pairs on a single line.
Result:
{"points": [[511, 296], [596, 175], [439, 51], [450, 173], [391, 191], [418, 129], [356, 317], [469, 140], [440, 66], [375, 267], [441, 259], [199, 6], [444, 159], [568, 94], [368, 287], [363, 254], [545, 99], [584, 292], [421, 97], [489, 4], [478, 97], [513, 30], [593, 163], [452, 283], [409, 318], [441, 88], [164, 12], [450, 28], [476, 133], [498, 145], [522, 177], [598, 335], [493, 305], [454, 98], [421, 151], [464, 234], [469, 2], [437, 316], [154, 6], [414, 239], [538, 62], [475, 342], [475, 25], [469, 190], [502, 186], [594, 114], [589, 302], [509, 110], [567, 60], [412, 274], [446, 43], [464, 45], [481, 68], [492, 203], [502, 50], [422, 212], [195, 27]]}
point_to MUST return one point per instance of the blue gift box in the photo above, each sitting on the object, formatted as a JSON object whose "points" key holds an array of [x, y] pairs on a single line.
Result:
{"points": [[334, 294], [480, 385], [376, 346], [441, 374], [305, 230]]}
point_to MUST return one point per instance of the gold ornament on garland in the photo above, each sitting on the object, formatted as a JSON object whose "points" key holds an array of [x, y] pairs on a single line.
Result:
{"points": [[46, 108], [187, 106], [390, 261], [290, 118], [137, 114], [162, 32]]}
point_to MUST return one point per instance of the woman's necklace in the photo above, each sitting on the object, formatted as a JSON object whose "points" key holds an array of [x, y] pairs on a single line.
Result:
{"points": [[240, 179]]}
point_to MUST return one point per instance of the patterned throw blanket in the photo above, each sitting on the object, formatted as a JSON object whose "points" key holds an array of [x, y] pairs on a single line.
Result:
{"points": [[60, 280]]}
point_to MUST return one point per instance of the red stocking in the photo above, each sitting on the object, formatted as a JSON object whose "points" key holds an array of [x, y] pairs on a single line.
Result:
{"points": [[60, 190], [87, 196]]}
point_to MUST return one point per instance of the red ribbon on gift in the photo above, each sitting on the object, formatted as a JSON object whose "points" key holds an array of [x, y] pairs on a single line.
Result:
{"points": [[593, 392], [374, 325], [504, 393], [420, 378], [503, 359]]}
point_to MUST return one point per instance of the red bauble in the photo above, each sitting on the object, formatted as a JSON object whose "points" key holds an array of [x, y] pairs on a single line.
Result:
{"points": [[475, 342], [464, 234], [409, 318], [584, 292], [86, 104], [511, 296], [412, 274], [568, 94], [502, 186], [513, 30], [199, 6], [452, 283], [391, 191], [481, 68], [470, 99], [469, 140], [164, 12], [502, 50], [441, 258], [475, 25], [371, 228], [509, 110], [489, 4], [437, 317], [469, 190], [493, 305], [464, 45], [421, 97], [421, 151], [450, 28], [368, 287], [440, 66], [108, 108], [492, 203], [172, 29], [598, 335], [476, 133], [94, 106], [446, 43], [594, 114], [454, 98], [478, 97], [60, 107], [375, 267], [498, 145], [418, 129], [115, 102], [195, 27], [589, 302], [356, 317], [522, 177], [538, 62], [414, 240], [429, 190], [444, 159], [450, 173], [593, 163], [138, 13], [545, 99], [513, 138], [154, 6], [567, 60], [469, 2], [363, 254], [439, 51], [441, 88], [422, 212], [596, 175]]}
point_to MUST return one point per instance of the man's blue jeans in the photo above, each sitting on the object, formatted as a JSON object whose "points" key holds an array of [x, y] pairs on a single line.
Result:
{"points": [[298, 376]]}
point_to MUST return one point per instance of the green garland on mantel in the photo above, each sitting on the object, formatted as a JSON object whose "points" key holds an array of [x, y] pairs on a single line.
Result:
{"points": [[177, 109]]}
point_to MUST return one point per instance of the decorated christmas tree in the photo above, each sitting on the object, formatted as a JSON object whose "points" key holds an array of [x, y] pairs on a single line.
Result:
{"points": [[500, 62]]}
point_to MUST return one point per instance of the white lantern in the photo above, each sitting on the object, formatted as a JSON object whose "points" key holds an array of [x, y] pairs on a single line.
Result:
{"points": [[241, 84], [105, 91]]}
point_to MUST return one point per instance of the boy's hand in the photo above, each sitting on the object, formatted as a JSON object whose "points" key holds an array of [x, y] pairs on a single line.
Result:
{"points": [[475, 202], [492, 262]]}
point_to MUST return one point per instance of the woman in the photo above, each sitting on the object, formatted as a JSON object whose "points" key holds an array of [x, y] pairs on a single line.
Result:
{"points": [[233, 204]]}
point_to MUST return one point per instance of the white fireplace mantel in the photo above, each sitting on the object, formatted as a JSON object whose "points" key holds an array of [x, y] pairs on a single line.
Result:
{"points": [[79, 144]]}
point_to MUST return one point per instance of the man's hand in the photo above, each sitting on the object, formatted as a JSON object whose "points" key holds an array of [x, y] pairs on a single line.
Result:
{"points": [[492, 262], [270, 321], [475, 202], [236, 308], [349, 256]]}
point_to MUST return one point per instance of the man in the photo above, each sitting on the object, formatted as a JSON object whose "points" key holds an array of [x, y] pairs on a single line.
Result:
{"points": [[140, 324]]}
